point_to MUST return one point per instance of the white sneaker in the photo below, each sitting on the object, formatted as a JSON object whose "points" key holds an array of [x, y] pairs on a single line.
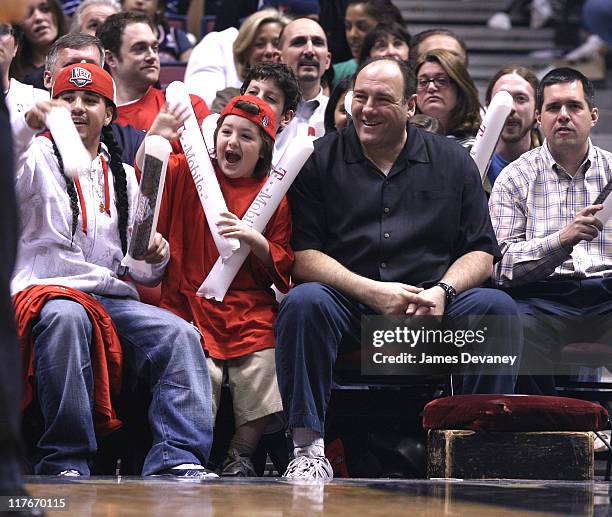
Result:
{"points": [[309, 468], [588, 50], [70, 473], [598, 444], [500, 21]]}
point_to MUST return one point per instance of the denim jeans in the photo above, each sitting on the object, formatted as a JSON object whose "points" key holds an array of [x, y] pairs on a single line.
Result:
{"points": [[158, 347], [597, 17], [551, 307], [315, 319]]}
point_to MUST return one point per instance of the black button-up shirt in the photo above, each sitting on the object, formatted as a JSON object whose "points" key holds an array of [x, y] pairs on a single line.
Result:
{"points": [[408, 226]]}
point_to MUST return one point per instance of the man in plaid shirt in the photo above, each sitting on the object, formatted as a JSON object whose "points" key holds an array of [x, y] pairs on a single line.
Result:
{"points": [[557, 254]]}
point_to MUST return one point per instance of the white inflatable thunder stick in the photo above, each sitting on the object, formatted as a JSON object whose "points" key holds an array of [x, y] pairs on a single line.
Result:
{"points": [[202, 170], [259, 213], [209, 124], [157, 151], [604, 197], [69, 144], [490, 130], [348, 102]]}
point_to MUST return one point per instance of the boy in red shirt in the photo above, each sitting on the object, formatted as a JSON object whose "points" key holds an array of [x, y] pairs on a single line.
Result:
{"points": [[238, 332]]}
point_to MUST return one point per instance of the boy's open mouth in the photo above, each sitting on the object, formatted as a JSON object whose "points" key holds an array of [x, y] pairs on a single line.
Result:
{"points": [[232, 157]]}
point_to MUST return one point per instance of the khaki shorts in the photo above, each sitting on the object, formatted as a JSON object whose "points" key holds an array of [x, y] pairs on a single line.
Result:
{"points": [[252, 382]]}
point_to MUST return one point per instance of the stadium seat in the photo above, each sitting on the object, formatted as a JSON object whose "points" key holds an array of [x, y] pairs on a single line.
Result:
{"points": [[170, 72], [207, 24], [178, 21], [512, 437]]}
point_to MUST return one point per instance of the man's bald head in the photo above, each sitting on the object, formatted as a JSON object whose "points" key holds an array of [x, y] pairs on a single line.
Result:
{"points": [[382, 104], [303, 45]]}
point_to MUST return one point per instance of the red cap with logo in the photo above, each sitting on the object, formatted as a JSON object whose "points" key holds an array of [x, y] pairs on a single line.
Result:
{"points": [[85, 76], [260, 114]]}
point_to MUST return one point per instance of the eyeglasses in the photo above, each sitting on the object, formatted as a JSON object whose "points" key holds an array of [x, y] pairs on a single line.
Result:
{"points": [[441, 82], [5, 29]]}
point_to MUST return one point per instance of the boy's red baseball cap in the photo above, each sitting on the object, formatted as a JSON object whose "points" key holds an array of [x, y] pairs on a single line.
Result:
{"points": [[264, 117]]}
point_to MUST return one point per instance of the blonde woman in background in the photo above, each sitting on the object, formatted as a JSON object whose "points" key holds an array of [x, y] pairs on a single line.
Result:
{"points": [[221, 59]]}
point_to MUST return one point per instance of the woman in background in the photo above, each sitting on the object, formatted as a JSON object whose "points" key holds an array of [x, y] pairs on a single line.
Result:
{"points": [[221, 59], [446, 91], [44, 24], [386, 39], [336, 117], [360, 17]]}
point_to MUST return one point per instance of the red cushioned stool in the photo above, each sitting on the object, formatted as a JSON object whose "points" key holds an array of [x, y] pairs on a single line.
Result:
{"points": [[512, 437]]}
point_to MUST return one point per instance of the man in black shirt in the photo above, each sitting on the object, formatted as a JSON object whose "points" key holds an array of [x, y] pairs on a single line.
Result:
{"points": [[388, 219]]}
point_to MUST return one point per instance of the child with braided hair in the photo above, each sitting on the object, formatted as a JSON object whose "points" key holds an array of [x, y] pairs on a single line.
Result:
{"points": [[80, 320]]}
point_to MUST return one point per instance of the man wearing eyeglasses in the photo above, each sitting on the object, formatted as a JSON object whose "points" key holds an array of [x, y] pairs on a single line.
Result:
{"points": [[133, 61], [389, 220]]}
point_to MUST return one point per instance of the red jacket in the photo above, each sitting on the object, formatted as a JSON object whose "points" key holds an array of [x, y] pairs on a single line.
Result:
{"points": [[106, 348], [142, 113]]}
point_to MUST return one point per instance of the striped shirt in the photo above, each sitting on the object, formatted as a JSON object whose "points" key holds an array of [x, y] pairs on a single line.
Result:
{"points": [[532, 200]]}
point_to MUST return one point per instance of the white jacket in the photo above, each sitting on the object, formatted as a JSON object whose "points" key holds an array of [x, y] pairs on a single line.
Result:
{"points": [[211, 65], [21, 97], [47, 252]]}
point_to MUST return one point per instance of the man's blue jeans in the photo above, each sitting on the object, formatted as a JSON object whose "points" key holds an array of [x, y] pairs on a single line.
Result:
{"points": [[553, 310], [315, 319], [160, 348], [597, 17]]}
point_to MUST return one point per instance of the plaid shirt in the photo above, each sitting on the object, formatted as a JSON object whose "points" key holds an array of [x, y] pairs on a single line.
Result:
{"points": [[532, 200]]}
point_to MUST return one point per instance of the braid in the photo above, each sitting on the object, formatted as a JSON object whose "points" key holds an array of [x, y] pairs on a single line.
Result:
{"points": [[120, 183], [72, 193]]}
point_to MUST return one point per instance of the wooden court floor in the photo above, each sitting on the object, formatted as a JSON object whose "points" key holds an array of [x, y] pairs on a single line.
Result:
{"points": [[132, 496]]}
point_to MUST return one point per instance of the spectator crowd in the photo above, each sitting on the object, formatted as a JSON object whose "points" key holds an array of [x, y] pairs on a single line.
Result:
{"points": [[389, 216]]}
